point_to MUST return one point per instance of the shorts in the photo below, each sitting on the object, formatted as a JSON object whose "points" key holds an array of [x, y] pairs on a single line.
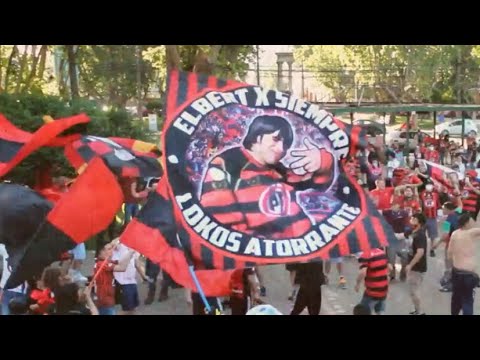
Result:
{"points": [[129, 297], [377, 305], [432, 228], [79, 252], [415, 280], [338, 260], [106, 310]]}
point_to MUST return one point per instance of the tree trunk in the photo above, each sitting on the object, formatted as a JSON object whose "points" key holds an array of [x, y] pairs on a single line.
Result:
{"points": [[1, 68], [112, 94], [205, 64], [43, 59], [230, 53], [23, 65], [392, 94], [61, 79], [13, 54], [139, 59], [33, 71], [72, 71], [172, 57], [375, 75]]}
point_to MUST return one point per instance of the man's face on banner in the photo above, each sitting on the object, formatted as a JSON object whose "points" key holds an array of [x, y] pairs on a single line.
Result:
{"points": [[269, 148]]}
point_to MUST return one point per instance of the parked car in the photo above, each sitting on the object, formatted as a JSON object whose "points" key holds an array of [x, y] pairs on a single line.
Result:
{"points": [[400, 137], [454, 128], [373, 128]]}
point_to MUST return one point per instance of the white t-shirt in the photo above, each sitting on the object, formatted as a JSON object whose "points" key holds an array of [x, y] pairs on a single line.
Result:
{"points": [[6, 273], [128, 276], [392, 165]]}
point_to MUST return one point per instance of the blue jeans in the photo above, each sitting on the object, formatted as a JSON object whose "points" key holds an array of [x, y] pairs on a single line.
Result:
{"points": [[131, 210], [107, 310], [7, 296], [377, 305], [432, 228], [463, 285]]}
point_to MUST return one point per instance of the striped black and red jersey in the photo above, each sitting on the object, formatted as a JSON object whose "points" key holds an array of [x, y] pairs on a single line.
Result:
{"points": [[259, 199], [376, 280], [470, 199], [430, 204]]}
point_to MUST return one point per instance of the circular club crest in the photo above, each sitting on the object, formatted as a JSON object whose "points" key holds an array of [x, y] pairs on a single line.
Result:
{"points": [[429, 202], [256, 173]]}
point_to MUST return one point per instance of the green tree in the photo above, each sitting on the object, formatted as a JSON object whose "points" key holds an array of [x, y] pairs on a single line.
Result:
{"points": [[26, 111], [226, 61], [395, 73], [108, 73], [22, 68]]}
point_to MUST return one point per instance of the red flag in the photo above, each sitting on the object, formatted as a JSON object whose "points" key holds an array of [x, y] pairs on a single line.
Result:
{"points": [[88, 208], [16, 144]]}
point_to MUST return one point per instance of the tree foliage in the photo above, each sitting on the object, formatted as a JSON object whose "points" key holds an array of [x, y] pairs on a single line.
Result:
{"points": [[395, 73], [26, 112]]}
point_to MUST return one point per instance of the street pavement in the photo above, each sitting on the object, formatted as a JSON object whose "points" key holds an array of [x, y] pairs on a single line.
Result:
{"points": [[335, 301]]}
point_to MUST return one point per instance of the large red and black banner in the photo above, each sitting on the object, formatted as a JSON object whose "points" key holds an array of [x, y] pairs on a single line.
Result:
{"points": [[253, 176]]}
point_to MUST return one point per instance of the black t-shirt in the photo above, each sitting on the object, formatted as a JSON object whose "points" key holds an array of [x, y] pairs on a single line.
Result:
{"points": [[309, 275], [419, 242]]}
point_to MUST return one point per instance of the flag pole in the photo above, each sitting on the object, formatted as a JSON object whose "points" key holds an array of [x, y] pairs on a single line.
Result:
{"points": [[191, 269]]}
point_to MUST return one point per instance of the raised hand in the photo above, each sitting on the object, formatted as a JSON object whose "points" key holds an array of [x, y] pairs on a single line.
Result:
{"points": [[309, 160]]}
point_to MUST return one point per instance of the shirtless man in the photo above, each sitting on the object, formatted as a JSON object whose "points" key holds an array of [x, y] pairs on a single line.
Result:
{"points": [[461, 252]]}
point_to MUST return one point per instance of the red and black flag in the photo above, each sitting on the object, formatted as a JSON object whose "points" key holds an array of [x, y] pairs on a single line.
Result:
{"points": [[155, 235], [87, 209], [23, 210], [125, 157], [16, 144], [438, 172], [253, 176]]}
